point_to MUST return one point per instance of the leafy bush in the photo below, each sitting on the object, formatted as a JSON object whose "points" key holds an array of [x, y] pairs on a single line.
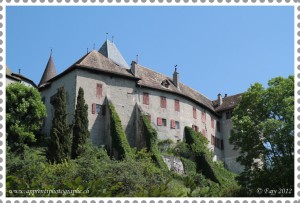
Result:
{"points": [[151, 142], [119, 139]]}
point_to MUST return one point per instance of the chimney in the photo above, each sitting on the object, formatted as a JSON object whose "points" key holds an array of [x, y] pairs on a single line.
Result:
{"points": [[220, 100], [176, 78], [133, 68]]}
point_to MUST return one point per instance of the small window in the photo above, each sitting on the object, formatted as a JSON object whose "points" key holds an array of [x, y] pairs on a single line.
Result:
{"points": [[173, 125], [161, 121], [165, 83], [195, 128], [164, 122], [52, 99], [177, 105], [203, 117], [218, 143], [146, 98], [163, 102], [212, 140], [177, 123], [222, 145], [218, 126], [98, 108], [194, 112], [228, 114], [44, 100]]}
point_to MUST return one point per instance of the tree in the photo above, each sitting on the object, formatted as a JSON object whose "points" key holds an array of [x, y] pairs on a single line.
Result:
{"points": [[263, 132], [59, 147], [24, 113], [80, 127]]}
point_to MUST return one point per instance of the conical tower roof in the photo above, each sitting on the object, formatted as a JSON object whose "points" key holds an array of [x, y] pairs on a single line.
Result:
{"points": [[49, 72], [109, 50]]}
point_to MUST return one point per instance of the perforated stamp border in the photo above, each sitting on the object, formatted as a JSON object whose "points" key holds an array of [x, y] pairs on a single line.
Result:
{"points": [[5, 3]]}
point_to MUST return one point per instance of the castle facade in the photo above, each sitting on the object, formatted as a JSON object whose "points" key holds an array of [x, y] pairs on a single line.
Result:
{"points": [[170, 105]]}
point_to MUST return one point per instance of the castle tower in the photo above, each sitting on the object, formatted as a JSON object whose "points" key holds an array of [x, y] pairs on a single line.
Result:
{"points": [[109, 50], [49, 71]]}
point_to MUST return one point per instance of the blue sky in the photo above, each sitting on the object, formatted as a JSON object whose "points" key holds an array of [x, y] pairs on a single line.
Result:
{"points": [[217, 49]]}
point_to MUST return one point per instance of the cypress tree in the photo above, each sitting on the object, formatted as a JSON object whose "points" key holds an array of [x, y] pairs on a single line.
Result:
{"points": [[59, 147], [80, 126]]}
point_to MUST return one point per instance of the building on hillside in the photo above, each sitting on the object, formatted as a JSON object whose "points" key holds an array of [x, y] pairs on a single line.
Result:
{"points": [[13, 77], [170, 105]]}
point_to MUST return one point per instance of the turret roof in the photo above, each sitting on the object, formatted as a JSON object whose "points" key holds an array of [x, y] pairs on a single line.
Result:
{"points": [[109, 50], [49, 72]]}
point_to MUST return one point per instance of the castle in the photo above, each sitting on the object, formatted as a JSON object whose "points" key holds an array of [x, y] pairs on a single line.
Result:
{"points": [[170, 105]]}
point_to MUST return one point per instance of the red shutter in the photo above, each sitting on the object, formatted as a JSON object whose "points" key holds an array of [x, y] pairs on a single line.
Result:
{"points": [[177, 105], [99, 90], [163, 102], [212, 123], [173, 125], [159, 121], [203, 117], [145, 98], [194, 112], [93, 108]]}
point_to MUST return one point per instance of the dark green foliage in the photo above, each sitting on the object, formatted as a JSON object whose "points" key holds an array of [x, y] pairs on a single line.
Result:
{"points": [[202, 156], [80, 126], [151, 142], [24, 113], [263, 129], [59, 147], [119, 139]]}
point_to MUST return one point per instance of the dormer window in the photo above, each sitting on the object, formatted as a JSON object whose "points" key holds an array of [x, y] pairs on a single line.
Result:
{"points": [[165, 83]]}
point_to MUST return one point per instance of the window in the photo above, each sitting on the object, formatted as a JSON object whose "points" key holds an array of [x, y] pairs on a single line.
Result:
{"points": [[177, 105], [146, 98], [163, 102], [194, 113], [53, 98], [99, 90], [161, 121], [165, 83], [164, 122], [212, 140], [195, 128], [173, 125], [44, 100], [228, 114], [222, 144], [203, 117], [204, 132], [212, 123], [218, 126], [218, 143], [97, 109]]}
